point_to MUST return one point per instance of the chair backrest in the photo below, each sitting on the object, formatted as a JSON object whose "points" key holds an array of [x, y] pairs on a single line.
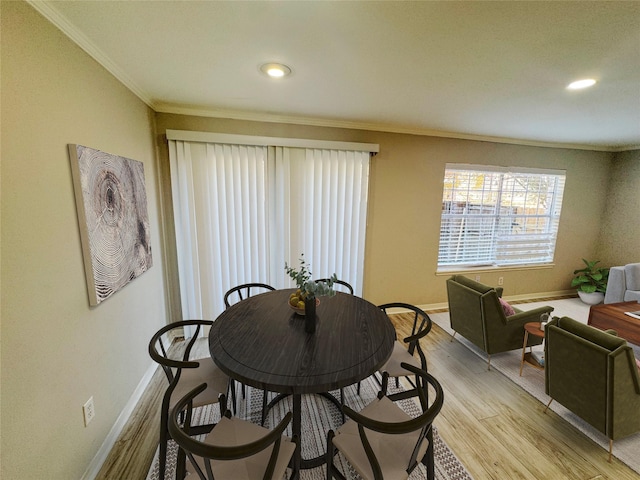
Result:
{"points": [[207, 452], [240, 292], [593, 374], [471, 306], [161, 341], [422, 325], [431, 406], [347, 287]]}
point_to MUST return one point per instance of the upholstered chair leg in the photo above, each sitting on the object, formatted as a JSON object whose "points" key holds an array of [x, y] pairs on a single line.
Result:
{"points": [[548, 405]]}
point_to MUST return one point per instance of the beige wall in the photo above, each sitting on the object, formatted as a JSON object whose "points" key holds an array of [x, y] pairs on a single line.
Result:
{"points": [[620, 233], [56, 350], [405, 199]]}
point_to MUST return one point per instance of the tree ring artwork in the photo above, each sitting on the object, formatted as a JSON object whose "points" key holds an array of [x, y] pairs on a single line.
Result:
{"points": [[111, 201]]}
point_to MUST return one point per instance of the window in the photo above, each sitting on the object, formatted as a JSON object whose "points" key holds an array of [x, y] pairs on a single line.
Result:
{"points": [[495, 216], [241, 210]]}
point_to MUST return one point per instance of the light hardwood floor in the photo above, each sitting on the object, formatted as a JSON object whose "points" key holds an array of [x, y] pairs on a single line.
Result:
{"points": [[495, 428]]}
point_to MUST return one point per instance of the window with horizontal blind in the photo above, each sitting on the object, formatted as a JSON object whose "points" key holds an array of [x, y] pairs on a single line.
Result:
{"points": [[498, 216]]}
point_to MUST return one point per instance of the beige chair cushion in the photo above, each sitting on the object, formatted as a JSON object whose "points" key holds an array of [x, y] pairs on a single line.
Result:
{"points": [[233, 431], [392, 451], [209, 373], [399, 355]]}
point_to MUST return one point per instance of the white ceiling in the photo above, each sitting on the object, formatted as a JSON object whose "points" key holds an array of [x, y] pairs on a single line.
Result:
{"points": [[494, 70]]}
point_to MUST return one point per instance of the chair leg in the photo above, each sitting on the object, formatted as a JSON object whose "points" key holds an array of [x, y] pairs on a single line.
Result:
{"points": [[232, 388], [181, 465], [548, 405], [429, 456], [488, 362], [332, 470], [342, 403], [264, 407], [610, 449], [329, 459], [358, 389], [162, 456], [453, 336]]}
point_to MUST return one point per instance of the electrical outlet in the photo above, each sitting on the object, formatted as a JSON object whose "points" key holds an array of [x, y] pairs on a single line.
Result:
{"points": [[500, 280], [477, 278], [89, 411]]}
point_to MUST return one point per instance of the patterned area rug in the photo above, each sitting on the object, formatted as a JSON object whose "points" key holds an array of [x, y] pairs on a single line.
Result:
{"points": [[318, 416], [532, 380]]}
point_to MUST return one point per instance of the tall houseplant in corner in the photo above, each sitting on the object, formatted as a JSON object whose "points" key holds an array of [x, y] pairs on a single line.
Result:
{"points": [[591, 282]]}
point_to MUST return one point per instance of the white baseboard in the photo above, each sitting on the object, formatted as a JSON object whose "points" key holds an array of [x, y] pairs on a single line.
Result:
{"points": [[512, 298], [96, 463]]}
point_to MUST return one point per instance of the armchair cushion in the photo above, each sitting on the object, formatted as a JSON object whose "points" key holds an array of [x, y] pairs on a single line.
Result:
{"points": [[623, 284], [632, 273]]}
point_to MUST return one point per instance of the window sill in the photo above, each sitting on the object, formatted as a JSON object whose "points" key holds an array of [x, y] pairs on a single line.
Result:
{"points": [[491, 269]]}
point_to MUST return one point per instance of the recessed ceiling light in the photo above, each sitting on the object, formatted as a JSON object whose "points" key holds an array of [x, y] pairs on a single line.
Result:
{"points": [[275, 70], [578, 84]]}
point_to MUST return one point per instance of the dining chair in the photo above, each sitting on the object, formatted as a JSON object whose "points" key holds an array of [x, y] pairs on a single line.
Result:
{"points": [[340, 283], [349, 289], [240, 292], [234, 449], [404, 352], [233, 296], [382, 441], [183, 374]]}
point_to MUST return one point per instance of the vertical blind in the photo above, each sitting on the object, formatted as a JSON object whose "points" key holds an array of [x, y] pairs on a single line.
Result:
{"points": [[494, 216], [242, 211]]}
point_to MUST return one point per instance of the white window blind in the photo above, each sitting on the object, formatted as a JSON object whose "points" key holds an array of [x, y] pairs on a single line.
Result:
{"points": [[494, 216], [242, 211]]}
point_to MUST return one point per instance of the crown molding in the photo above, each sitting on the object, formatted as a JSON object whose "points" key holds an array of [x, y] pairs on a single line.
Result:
{"points": [[45, 8], [379, 127], [52, 15]]}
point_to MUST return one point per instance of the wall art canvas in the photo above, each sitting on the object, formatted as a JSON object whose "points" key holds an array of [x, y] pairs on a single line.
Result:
{"points": [[111, 201]]}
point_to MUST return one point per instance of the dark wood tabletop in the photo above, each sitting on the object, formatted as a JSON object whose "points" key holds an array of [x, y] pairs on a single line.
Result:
{"points": [[261, 341]]}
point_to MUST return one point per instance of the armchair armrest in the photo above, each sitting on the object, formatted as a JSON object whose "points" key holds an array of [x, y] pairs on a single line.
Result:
{"points": [[533, 315]]}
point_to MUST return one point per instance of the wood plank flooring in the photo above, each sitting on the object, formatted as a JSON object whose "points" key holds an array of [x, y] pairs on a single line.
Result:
{"points": [[495, 428]]}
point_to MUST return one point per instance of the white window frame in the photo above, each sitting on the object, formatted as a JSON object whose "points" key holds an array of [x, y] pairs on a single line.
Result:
{"points": [[494, 217]]}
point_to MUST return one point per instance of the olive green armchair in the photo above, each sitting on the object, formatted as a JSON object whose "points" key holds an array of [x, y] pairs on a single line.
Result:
{"points": [[593, 373], [475, 313]]}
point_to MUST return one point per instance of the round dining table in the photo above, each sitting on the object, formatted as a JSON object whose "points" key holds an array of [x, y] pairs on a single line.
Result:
{"points": [[261, 341]]}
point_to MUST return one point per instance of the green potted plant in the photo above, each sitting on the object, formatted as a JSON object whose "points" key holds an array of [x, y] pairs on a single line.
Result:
{"points": [[304, 299], [591, 282]]}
